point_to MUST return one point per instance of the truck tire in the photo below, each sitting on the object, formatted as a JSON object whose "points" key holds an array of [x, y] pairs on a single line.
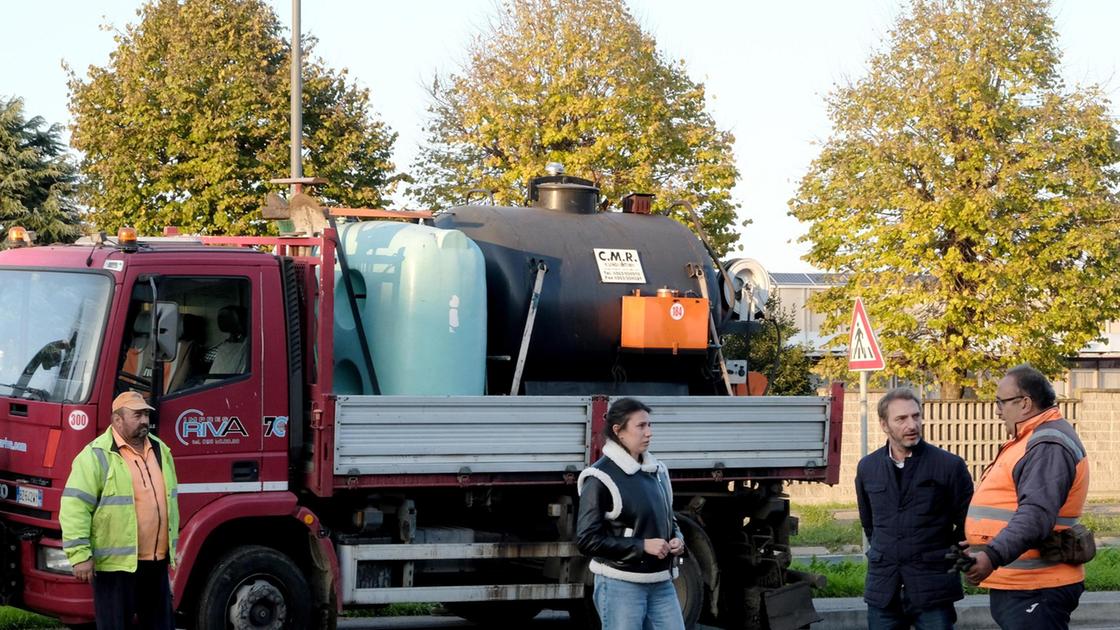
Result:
{"points": [[254, 587], [690, 591]]}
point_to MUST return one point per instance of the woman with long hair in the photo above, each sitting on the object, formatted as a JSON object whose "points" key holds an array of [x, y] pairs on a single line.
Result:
{"points": [[626, 525]]}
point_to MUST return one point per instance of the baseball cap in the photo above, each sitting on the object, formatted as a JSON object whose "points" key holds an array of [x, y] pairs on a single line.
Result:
{"points": [[131, 400]]}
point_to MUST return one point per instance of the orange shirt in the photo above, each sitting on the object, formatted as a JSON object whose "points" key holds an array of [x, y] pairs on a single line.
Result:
{"points": [[150, 497]]}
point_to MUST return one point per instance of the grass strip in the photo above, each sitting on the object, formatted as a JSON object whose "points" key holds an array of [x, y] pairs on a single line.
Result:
{"points": [[818, 527], [845, 579], [16, 619]]}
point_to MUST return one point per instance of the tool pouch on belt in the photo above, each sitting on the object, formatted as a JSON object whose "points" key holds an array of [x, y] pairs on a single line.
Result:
{"points": [[1072, 546]]}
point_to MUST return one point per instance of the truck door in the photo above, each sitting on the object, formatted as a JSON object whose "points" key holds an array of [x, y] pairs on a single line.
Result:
{"points": [[210, 405]]}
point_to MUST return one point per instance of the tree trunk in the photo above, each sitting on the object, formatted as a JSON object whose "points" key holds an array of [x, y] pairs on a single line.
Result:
{"points": [[951, 390]]}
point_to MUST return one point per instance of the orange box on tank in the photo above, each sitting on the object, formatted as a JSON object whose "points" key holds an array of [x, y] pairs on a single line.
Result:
{"points": [[664, 322]]}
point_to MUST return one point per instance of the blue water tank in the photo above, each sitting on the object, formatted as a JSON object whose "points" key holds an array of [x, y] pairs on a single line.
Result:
{"points": [[421, 293]]}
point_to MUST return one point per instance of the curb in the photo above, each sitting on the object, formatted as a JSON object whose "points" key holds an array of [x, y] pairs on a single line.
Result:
{"points": [[1098, 609]]}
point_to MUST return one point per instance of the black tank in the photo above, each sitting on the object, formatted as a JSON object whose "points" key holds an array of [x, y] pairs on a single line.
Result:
{"points": [[577, 333]]}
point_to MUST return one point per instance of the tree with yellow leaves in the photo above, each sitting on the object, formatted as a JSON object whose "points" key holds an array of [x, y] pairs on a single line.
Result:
{"points": [[189, 120], [969, 196], [581, 84]]}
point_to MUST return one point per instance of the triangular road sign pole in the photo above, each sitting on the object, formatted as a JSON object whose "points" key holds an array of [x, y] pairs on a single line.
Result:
{"points": [[863, 347], [864, 356]]}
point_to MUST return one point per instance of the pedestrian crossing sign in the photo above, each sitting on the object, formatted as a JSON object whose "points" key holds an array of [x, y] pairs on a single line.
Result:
{"points": [[863, 347]]}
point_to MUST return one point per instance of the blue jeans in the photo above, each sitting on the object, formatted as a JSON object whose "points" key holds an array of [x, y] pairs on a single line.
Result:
{"points": [[631, 606], [901, 615]]}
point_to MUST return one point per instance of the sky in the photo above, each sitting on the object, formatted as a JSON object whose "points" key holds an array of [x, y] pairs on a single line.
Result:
{"points": [[767, 67]]}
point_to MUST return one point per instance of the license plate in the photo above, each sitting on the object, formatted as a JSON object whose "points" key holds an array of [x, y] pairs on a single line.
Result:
{"points": [[29, 496]]}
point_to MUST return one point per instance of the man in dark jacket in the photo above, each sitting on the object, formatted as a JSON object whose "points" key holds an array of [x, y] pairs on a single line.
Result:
{"points": [[913, 498]]}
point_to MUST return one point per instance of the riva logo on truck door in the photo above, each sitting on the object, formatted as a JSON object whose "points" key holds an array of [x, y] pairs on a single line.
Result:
{"points": [[620, 266], [194, 427]]}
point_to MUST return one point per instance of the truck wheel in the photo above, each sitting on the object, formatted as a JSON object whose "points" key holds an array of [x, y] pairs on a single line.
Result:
{"points": [[254, 587], [690, 591]]}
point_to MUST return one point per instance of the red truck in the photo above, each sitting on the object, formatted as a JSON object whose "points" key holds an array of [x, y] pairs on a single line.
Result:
{"points": [[309, 486]]}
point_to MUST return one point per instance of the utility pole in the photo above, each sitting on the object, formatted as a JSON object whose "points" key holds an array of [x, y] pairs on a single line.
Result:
{"points": [[296, 101]]}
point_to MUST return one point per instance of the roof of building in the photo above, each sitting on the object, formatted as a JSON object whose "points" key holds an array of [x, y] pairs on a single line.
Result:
{"points": [[806, 279]]}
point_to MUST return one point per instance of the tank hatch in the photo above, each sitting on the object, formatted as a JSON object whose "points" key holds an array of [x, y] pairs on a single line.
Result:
{"points": [[563, 193]]}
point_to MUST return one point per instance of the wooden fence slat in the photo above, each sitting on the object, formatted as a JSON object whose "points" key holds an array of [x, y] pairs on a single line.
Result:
{"points": [[972, 430]]}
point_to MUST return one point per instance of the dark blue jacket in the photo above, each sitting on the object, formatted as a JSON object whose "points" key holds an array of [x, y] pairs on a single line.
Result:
{"points": [[911, 525]]}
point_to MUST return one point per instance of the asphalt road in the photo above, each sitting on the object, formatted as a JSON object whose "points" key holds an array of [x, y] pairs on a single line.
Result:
{"points": [[547, 620], [1097, 611], [551, 620]]}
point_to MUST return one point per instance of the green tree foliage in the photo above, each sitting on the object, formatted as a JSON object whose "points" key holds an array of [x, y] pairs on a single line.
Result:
{"points": [[37, 177], [969, 195], [577, 83], [189, 120], [788, 368]]}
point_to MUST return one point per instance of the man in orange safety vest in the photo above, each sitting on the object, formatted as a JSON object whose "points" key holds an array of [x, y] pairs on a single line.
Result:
{"points": [[1034, 490]]}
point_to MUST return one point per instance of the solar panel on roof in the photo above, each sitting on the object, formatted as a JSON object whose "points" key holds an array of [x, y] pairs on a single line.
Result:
{"points": [[823, 278], [790, 278], [781, 278]]}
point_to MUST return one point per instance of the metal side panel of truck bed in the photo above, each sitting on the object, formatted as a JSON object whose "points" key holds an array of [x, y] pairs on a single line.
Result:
{"points": [[377, 435]]}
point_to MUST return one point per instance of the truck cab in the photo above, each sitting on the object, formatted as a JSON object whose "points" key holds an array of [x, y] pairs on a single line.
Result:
{"points": [[80, 326]]}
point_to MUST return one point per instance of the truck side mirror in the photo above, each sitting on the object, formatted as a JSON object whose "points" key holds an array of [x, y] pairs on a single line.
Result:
{"points": [[166, 331]]}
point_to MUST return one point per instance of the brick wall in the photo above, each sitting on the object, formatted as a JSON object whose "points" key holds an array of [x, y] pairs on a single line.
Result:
{"points": [[972, 430], [1099, 429]]}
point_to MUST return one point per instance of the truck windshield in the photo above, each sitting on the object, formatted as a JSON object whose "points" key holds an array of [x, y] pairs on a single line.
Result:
{"points": [[51, 324]]}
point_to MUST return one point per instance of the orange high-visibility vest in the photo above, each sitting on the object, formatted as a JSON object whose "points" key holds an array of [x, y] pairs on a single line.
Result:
{"points": [[132, 360], [996, 500]]}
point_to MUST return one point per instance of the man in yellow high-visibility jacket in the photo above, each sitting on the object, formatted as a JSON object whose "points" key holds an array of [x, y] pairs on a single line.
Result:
{"points": [[120, 519], [1036, 486]]}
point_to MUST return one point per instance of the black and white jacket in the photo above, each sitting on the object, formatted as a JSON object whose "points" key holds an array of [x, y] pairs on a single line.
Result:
{"points": [[622, 503]]}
